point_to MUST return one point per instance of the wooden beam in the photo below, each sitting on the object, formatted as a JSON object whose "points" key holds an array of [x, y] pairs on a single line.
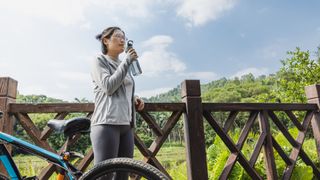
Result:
{"points": [[194, 132], [313, 96], [258, 106]]}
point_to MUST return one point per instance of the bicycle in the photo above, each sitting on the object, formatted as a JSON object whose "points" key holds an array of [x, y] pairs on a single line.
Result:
{"points": [[107, 169]]}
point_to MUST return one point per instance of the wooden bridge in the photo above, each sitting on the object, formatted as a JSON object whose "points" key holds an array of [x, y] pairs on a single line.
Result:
{"points": [[194, 112]]}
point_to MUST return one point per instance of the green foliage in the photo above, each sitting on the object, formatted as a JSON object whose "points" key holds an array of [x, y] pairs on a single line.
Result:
{"points": [[302, 172], [246, 89], [287, 85], [218, 153], [40, 120], [147, 140], [37, 99], [29, 165], [297, 71], [170, 96], [178, 171]]}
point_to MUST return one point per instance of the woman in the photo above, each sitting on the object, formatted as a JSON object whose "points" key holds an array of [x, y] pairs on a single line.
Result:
{"points": [[114, 114]]}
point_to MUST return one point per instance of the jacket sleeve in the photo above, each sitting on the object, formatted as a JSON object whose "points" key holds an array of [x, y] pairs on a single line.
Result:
{"points": [[103, 78]]}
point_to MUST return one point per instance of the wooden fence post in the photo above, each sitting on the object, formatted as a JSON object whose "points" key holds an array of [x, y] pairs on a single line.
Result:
{"points": [[194, 132], [313, 96], [8, 93]]}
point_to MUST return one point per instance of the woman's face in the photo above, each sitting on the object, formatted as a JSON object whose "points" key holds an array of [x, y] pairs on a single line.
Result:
{"points": [[116, 43]]}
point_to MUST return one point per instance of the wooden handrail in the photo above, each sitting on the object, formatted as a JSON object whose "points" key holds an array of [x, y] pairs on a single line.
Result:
{"points": [[195, 112]]}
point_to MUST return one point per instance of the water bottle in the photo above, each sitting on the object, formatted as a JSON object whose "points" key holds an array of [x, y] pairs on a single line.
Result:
{"points": [[135, 66]]}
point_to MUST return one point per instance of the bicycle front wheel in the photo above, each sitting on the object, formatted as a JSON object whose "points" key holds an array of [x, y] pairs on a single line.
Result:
{"points": [[123, 168], [3, 177]]}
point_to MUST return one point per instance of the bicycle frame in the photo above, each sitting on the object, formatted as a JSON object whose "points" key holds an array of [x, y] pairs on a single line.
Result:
{"points": [[10, 166]]}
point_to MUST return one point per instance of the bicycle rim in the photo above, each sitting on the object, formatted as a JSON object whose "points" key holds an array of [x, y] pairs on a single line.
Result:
{"points": [[3, 177], [123, 168]]}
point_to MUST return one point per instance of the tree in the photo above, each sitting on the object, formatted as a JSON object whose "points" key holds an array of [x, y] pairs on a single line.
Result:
{"points": [[298, 71]]}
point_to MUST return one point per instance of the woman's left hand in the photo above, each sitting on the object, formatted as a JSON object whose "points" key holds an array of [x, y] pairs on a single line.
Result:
{"points": [[139, 103]]}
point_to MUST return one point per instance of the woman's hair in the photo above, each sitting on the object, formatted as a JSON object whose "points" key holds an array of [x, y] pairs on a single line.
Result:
{"points": [[107, 33]]}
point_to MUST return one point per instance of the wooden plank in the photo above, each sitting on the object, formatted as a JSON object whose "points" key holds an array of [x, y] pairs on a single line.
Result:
{"points": [[85, 162], [293, 142], [294, 120], [232, 159], [313, 96], [6, 124], [312, 91], [171, 122], [47, 171], [246, 166], [232, 116], [282, 154], [83, 107], [268, 147], [308, 162], [194, 132], [33, 131], [148, 155], [224, 137], [141, 146], [245, 131], [190, 88], [46, 132], [154, 161], [296, 150], [257, 106], [8, 87], [231, 146], [162, 107], [51, 107], [257, 149], [283, 129], [151, 122], [315, 123]]}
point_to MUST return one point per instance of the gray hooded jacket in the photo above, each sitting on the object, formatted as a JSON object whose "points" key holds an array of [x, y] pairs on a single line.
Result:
{"points": [[111, 104]]}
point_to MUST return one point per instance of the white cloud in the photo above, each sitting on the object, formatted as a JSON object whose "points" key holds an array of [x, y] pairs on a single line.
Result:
{"points": [[199, 12], [64, 12], [69, 12], [75, 76], [153, 92], [26, 88], [136, 8], [158, 60], [255, 71], [273, 50], [158, 42], [203, 76]]}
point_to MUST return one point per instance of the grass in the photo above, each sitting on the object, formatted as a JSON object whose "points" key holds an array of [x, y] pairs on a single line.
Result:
{"points": [[169, 156]]}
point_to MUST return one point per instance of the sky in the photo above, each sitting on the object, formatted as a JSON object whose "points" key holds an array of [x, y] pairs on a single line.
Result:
{"points": [[48, 45]]}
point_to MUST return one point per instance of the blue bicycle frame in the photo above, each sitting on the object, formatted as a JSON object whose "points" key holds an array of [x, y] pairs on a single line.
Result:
{"points": [[10, 166]]}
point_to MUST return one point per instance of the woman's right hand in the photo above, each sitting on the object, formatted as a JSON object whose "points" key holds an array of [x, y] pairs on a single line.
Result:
{"points": [[132, 54]]}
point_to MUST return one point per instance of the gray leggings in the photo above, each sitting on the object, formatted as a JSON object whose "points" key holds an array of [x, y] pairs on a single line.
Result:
{"points": [[110, 141]]}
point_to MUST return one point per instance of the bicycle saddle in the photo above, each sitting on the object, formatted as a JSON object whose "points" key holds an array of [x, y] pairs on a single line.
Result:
{"points": [[71, 126]]}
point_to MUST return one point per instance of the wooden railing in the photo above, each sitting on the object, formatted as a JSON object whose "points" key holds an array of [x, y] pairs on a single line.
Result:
{"points": [[193, 110]]}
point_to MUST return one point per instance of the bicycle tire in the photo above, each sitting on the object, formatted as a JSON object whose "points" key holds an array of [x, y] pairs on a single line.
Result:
{"points": [[124, 165], [3, 177]]}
